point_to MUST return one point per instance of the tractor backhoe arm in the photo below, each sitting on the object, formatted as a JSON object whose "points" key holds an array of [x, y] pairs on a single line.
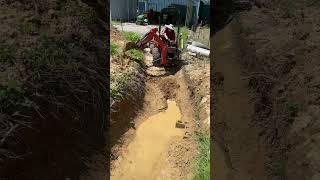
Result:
{"points": [[152, 35], [147, 37]]}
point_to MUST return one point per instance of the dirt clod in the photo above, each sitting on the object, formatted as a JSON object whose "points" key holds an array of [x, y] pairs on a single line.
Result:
{"points": [[180, 125]]}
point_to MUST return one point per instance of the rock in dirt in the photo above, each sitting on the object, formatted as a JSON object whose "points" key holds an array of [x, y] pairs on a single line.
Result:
{"points": [[179, 124]]}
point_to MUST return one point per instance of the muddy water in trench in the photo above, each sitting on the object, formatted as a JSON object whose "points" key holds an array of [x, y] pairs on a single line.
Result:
{"points": [[151, 140]]}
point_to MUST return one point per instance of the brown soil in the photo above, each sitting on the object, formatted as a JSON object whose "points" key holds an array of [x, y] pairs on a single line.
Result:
{"points": [[286, 54], [237, 152], [56, 134], [198, 74], [279, 68]]}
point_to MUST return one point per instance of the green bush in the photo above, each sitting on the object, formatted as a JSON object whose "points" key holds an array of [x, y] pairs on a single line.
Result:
{"points": [[131, 36], [135, 54]]}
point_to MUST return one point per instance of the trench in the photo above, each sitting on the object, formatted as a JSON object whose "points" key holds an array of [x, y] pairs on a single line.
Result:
{"points": [[159, 141], [152, 137], [237, 150]]}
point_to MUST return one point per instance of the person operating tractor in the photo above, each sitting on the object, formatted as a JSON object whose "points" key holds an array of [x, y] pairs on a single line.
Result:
{"points": [[164, 45], [169, 34]]}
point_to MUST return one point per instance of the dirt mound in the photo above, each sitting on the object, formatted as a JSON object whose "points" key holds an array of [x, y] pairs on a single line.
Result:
{"points": [[55, 100], [279, 52], [130, 45]]}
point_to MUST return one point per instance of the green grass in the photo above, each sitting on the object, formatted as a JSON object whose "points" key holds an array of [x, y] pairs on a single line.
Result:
{"points": [[29, 27], [203, 159], [50, 51], [114, 22], [292, 109], [114, 49], [118, 84], [13, 97], [131, 36], [6, 54], [86, 14], [280, 167], [202, 171], [135, 54]]}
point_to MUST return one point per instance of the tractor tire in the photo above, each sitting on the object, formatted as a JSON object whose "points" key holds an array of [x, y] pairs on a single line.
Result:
{"points": [[156, 56]]}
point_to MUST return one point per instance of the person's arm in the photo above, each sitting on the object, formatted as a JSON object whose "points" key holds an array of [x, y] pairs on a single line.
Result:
{"points": [[164, 32], [165, 35]]}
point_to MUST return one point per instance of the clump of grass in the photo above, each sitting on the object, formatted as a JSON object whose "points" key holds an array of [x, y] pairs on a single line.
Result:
{"points": [[280, 168], [50, 52], [6, 54], [114, 49], [292, 110], [131, 36], [73, 8], [135, 54], [203, 159], [29, 27], [13, 97], [118, 84]]}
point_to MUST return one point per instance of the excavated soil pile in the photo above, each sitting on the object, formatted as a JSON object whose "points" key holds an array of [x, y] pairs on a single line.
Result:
{"points": [[53, 85], [279, 61]]}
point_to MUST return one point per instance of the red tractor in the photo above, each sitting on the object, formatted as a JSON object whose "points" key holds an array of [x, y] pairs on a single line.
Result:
{"points": [[164, 46], [170, 52]]}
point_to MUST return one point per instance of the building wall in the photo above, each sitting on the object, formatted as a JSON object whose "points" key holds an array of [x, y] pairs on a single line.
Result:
{"points": [[124, 10], [160, 4], [192, 11]]}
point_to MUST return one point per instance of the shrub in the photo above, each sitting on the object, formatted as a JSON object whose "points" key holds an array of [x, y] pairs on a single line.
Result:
{"points": [[117, 85]]}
